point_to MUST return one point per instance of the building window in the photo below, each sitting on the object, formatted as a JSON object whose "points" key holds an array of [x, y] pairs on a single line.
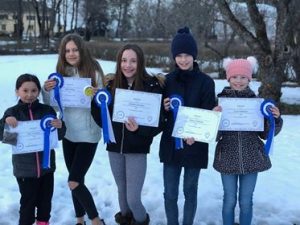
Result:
{"points": [[30, 17], [30, 27], [3, 27], [3, 17]]}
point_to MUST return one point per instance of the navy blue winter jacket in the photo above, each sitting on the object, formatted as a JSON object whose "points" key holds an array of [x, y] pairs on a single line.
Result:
{"points": [[197, 90]]}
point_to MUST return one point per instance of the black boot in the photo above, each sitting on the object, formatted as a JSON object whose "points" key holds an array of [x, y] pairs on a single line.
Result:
{"points": [[146, 222], [123, 220]]}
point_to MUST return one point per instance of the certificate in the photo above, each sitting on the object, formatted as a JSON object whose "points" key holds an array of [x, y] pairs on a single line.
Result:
{"points": [[241, 114], [144, 107], [31, 137], [200, 124], [72, 93]]}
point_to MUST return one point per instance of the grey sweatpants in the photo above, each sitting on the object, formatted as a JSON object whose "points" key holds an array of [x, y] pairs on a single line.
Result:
{"points": [[129, 171]]}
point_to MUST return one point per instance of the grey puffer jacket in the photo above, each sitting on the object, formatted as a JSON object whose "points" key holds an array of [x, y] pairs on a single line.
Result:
{"points": [[242, 152]]}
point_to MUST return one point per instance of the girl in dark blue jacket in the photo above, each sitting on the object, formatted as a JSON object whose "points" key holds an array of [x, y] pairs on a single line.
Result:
{"points": [[35, 182]]}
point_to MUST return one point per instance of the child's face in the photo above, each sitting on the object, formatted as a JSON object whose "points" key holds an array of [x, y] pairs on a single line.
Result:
{"points": [[238, 82], [129, 64], [184, 61], [72, 54], [28, 92]]}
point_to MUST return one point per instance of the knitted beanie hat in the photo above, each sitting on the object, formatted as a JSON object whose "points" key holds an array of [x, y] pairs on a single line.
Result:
{"points": [[184, 42], [244, 67]]}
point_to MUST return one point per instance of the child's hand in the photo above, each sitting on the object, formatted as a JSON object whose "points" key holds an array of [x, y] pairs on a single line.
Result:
{"points": [[167, 104], [131, 124], [275, 111], [49, 84], [95, 90], [217, 108], [11, 121], [189, 141], [56, 123]]}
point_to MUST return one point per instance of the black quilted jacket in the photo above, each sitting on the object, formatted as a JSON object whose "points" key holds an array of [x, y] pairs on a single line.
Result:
{"points": [[127, 141], [30, 164]]}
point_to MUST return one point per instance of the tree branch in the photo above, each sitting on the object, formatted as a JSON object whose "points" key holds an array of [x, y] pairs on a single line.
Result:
{"points": [[259, 25], [241, 30]]}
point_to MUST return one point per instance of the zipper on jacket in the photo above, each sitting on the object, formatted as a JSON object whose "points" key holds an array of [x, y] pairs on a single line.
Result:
{"points": [[240, 153], [36, 154]]}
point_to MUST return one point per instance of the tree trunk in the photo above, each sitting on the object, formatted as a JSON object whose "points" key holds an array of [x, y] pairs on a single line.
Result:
{"points": [[20, 26]]}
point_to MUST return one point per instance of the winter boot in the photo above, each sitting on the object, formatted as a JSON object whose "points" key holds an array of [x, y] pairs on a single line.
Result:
{"points": [[123, 220], [42, 223], [81, 223], [146, 222]]}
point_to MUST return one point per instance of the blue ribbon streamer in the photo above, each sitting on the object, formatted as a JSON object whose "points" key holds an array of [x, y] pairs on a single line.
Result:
{"points": [[175, 102], [103, 99], [59, 84], [47, 128], [265, 109]]}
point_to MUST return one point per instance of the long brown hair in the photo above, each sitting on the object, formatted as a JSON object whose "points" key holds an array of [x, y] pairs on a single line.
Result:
{"points": [[141, 73], [88, 66]]}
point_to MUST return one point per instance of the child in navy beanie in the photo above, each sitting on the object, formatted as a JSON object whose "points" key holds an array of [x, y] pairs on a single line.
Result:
{"points": [[187, 86], [184, 42]]}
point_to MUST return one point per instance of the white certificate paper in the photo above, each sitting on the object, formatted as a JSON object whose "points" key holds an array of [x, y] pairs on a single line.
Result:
{"points": [[144, 107], [31, 137], [241, 114], [72, 93], [200, 124]]}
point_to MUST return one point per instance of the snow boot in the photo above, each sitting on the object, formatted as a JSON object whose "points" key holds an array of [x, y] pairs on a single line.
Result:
{"points": [[123, 220], [146, 222]]}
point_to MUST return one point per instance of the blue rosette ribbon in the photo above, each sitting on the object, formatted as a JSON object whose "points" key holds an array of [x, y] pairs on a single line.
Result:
{"points": [[175, 102], [103, 99], [265, 109], [47, 128], [59, 84]]}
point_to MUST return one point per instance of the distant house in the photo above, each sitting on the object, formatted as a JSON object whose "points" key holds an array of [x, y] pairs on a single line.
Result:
{"points": [[8, 18]]}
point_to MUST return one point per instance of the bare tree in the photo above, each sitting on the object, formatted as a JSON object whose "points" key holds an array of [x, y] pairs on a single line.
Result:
{"points": [[272, 57], [20, 26], [95, 17], [74, 17], [122, 14], [294, 38], [65, 14]]}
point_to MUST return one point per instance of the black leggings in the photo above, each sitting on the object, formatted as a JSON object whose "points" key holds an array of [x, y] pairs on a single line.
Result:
{"points": [[36, 194], [78, 158]]}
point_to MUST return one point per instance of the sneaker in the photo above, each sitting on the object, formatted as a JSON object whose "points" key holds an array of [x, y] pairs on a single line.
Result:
{"points": [[42, 223]]}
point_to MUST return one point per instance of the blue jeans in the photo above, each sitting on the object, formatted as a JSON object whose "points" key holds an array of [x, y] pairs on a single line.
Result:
{"points": [[246, 188], [190, 188]]}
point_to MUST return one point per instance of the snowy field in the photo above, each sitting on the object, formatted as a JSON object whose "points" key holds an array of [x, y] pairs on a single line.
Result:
{"points": [[276, 199]]}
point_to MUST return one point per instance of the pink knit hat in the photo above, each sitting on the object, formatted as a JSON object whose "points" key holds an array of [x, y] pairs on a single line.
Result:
{"points": [[244, 67]]}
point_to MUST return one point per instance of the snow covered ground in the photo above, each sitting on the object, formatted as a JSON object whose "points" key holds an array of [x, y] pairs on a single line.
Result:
{"points": [[276, 199]]}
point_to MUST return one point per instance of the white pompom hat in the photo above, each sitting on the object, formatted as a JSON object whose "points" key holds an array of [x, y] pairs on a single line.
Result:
{"points": [[244, 67]]}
